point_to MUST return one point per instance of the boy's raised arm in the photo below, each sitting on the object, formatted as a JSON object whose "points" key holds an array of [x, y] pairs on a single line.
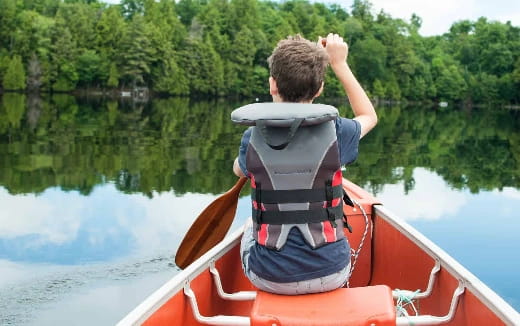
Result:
{"points": [[363, 109]]}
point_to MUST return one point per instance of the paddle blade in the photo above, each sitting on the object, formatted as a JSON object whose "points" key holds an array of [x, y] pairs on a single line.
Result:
{"points": [[210, 227]]}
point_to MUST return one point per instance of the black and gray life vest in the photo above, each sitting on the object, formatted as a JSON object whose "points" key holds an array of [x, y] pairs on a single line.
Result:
{"points": [[294, 166]]}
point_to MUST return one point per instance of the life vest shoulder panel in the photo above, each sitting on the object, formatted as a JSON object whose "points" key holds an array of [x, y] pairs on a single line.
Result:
{"points": [[298, 185]]}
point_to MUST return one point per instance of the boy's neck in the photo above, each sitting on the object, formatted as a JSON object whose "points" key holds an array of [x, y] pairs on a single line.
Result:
{"points": [[278, 99]]}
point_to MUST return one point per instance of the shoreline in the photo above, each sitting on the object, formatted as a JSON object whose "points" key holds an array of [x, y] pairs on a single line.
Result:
{"points": [[144, 94]]}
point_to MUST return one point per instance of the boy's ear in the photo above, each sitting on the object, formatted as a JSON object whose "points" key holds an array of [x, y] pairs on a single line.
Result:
{"points": [[318, 93], [273, 88]]}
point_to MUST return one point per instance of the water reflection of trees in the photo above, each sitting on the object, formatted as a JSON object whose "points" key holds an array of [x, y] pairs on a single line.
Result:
{"points": [[476, 150], [185, 146]]}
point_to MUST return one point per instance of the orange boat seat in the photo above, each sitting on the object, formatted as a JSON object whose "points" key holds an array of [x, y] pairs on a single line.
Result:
{"points": [[370, 305]]}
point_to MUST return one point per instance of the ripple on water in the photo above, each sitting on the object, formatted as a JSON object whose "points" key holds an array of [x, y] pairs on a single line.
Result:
{"points": [[23, 298]]}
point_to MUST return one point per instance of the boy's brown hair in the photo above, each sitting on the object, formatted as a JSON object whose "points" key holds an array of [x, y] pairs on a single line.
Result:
{"points": [[298, 66]]}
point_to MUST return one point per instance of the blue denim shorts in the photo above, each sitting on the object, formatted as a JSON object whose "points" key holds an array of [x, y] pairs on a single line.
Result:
{"points": [[316, 285]]}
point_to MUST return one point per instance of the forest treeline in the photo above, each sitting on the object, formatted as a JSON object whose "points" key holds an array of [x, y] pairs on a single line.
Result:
{"points": [[219, 48], [181, 145]]}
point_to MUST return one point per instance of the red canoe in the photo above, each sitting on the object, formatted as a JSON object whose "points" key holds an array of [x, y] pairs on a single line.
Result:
{"points": [[400, 278]]}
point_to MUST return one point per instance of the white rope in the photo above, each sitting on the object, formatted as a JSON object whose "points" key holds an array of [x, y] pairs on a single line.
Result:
{"points": [[355, 254], [404, 299]]}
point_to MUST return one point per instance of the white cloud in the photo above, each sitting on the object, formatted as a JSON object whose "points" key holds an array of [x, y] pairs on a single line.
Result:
{"points": [[509, 192], [511, 195], [165, 218], [56, 217], [430, 199], [30, 214], [437, 16]]}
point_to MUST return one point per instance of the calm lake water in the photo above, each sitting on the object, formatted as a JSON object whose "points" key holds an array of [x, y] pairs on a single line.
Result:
{"points": [[96, 196]]}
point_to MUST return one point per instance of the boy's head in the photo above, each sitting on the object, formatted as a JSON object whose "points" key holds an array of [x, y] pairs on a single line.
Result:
{"points": [[298, 68]]}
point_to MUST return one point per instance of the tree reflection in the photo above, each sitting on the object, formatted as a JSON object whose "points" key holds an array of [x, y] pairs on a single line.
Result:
{"points": [[189, 146]]}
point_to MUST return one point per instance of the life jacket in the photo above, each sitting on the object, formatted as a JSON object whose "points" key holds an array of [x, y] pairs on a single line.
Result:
{"points": [[295, 171]]}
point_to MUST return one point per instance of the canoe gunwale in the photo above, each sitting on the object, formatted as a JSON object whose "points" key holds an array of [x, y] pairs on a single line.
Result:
{"points": [[144, 310], [473, 284]]}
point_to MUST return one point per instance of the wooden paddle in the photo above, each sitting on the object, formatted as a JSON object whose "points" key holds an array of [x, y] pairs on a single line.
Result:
{"points": [[210, 227]]}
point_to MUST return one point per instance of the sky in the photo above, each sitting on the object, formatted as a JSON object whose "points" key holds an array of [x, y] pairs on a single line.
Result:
{"points": [[437, 16]]}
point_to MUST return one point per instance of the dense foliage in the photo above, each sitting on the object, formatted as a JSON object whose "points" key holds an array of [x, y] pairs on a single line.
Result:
{"points": [[189, 146], [219, 47]]}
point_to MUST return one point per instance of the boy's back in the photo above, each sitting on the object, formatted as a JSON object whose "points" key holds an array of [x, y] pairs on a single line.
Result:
{"points": [[294, 244]]}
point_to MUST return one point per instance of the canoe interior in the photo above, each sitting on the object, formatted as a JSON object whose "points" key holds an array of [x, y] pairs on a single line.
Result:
{"points": [[401, 264], [388, 257]]}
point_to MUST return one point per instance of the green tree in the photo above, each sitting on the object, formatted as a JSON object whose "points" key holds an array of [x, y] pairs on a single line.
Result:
{"points": [[494, 43], [243, 54], [32, 35], [506, 88], [451, 84], [14, 107], [4, 64], [14, 78], [188, 9], [84, 43], [166, 33], [7, 23], [419, 89], [516, 71], [88, 67], [171, 78], [273, 24], [378, 89], [352, 30], [361, 9], [392, 88], [137, 52], [64, 75], [113, 76], [484, 88], [204, 66], [81, 19], [369, 60], [109, 33], [259, 82], [243, 14], [67, 78]]}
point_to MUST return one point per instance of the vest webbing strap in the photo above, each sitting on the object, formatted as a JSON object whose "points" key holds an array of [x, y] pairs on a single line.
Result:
{"points": [[295, 196], [300, 217]]}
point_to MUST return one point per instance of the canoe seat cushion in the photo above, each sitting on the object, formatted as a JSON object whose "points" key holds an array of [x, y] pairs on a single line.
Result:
{"points": [[370, 305]]}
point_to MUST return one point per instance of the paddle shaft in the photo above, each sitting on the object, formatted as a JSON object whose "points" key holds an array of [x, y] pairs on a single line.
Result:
{"points": [[210, 227]]}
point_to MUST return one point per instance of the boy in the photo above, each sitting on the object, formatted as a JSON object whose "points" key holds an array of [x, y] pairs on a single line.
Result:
{"points": [[302, 264]]}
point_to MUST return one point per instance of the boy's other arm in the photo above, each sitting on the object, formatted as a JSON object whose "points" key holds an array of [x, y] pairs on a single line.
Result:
{"points": [[363, 109], [237, 169]]}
